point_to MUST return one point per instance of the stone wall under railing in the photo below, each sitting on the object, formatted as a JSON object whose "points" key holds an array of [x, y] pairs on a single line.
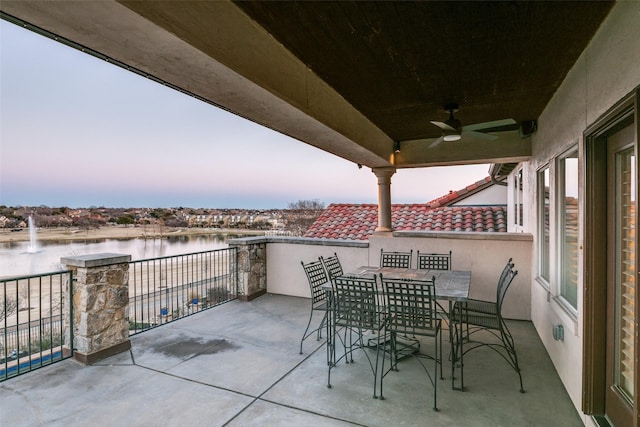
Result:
{"points": [[100, 299], [252, 267]]}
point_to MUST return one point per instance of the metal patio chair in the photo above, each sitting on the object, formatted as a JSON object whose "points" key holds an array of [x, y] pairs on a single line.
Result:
{"points": [[396, 259], [356, 309], [411, 311], [480, 315], [317, 277], [434, 261]]}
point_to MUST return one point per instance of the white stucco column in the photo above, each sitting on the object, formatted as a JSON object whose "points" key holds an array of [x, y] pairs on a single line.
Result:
{"points": [[384, 198]]}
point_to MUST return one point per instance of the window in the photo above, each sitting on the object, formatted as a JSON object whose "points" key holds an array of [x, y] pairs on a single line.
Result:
{"points": [[518, 210], [567, 181], [625, 257], [543, 224]]}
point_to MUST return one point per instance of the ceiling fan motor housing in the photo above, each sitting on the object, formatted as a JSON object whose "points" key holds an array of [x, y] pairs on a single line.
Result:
{"points": [[452, 121]]}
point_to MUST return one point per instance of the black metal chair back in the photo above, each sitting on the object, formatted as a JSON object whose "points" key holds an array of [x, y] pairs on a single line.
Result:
{"points": [[410, 305], [357, 303], [411, 311], [332, 265], [396, 259], [502, 287], [434, 261], [317, 276], [506, 280]]}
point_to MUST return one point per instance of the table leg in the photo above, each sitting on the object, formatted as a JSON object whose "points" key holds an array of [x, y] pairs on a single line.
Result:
{"points": [[453, 346], [461, 347], [330, 325], [457, 347]]}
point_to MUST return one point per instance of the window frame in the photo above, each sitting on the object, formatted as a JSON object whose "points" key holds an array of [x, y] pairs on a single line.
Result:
{"points": [[560, 235], [544, 194], [517, 199]]}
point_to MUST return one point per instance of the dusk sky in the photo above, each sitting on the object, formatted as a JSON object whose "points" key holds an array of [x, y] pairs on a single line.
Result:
{"points": [[76, 131]]}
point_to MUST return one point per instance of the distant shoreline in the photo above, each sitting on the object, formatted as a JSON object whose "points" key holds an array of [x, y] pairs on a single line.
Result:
{"points": [[115, 232]]}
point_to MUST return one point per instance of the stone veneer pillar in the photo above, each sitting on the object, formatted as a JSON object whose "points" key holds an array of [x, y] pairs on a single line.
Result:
{"points": [[384, 198], [100, 301], [252, 267]]}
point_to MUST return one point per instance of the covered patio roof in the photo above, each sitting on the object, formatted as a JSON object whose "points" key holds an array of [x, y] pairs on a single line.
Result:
{"points": [[356, 79]]}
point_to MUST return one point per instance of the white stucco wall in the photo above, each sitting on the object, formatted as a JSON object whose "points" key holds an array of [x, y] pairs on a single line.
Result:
{"points": [[494, 195], [285, 275], [484, 254], [607, 70]]}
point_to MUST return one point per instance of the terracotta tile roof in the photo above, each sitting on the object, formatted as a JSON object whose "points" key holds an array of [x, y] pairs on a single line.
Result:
{"points": [[456, 196], [358, 222]]}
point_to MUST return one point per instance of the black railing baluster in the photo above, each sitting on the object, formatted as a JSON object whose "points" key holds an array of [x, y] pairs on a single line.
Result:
{"points": [[5, 307], [173, 282], [160, 283], [38, 340]]}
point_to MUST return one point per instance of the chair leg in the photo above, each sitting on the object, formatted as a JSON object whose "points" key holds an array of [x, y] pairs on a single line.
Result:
{"points": [[435, 372], [391, 338], [358, 341], [323, 322], [331, 349], [318, 330], [521, 387], [382, 373], [304, 335], [441, 364], [375, 372], [509, 344]]}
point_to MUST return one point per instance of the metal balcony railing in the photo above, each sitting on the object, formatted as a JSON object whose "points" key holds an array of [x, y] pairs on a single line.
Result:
{"points": [[35, 322], [164, 289]]}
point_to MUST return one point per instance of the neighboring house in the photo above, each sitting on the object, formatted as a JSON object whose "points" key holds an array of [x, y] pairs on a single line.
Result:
{"points": [[481, 206], [481, 193]]}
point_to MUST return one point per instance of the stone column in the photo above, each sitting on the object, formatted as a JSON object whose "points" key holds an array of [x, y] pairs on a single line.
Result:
{"points": [[384, 198], [252, 267], [100, 300]]}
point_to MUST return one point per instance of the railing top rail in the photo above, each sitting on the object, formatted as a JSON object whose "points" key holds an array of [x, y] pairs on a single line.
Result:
{"points": [[182, 255], [33, 276]]}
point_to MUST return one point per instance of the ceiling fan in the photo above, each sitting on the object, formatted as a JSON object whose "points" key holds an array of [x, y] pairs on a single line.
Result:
{"points": [[452, 129]]}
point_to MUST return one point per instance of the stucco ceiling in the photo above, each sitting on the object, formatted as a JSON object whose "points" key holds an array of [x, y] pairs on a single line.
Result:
{"points": [[351, 78], [400, 62]]}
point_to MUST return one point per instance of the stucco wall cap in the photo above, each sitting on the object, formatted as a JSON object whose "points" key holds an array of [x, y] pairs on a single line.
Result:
{"points": [[95, 260]]}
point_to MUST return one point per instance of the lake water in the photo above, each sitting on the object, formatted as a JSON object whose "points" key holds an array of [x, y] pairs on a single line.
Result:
{"points": [[15, 259]]}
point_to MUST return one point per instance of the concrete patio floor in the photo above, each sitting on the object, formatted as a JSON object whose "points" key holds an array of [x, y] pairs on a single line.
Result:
{"points": [[238, 365]]}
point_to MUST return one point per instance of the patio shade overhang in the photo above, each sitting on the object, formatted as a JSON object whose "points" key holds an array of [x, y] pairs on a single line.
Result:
{"points": [[351, 78]]}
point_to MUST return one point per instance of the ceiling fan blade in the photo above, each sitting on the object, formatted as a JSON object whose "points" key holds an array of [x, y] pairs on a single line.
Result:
{"points": [[443, 126], [478, 135], [489, 125], [437, 142]]}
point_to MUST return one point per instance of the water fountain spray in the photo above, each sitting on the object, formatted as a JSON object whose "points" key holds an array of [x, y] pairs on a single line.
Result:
{"points": [[33, 237]]}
